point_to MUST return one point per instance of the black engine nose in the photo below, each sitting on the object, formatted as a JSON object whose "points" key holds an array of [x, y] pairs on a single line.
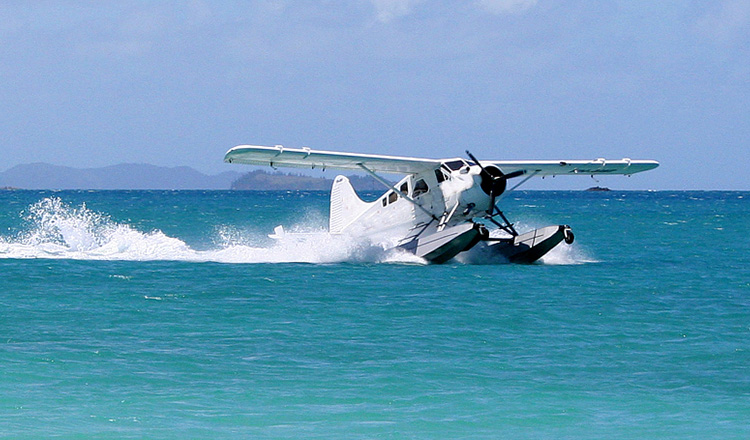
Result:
{"points": [[493, 182]]}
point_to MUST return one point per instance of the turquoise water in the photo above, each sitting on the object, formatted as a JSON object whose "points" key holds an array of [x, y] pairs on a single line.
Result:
{"points": [[172, 315]]}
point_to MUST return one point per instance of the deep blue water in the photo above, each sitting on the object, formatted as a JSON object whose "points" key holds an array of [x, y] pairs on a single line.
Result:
{"points": [[137, 314]]}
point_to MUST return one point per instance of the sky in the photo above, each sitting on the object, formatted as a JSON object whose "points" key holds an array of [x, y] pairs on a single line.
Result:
{"points": [[171, 83]]}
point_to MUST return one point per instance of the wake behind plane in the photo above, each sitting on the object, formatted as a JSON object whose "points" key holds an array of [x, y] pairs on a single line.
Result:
{"points": [[442, 207]]}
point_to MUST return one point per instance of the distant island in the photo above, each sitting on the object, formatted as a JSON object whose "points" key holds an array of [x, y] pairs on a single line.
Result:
{"points": [[122, 176], [43, 176], [598, 188]]}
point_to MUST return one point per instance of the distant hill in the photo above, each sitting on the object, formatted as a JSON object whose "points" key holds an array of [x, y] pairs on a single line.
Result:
{"points": [[123, 176], [144, 176], [260, 180]]}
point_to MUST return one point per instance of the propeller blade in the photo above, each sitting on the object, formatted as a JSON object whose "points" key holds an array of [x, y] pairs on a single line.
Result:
{"points": [[502, 176], [514, 174], [493, 182], [474, 159], [491, 209]]}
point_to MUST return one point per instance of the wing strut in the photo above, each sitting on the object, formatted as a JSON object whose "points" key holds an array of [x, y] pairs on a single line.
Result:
{"points": [[517, 185], [388, 185]]}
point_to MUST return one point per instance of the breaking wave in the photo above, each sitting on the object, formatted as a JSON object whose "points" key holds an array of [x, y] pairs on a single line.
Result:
{"points": [[56, 230]]}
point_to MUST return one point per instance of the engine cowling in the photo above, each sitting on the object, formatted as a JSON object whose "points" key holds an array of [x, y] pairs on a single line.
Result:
{"points": [[493, 181]]}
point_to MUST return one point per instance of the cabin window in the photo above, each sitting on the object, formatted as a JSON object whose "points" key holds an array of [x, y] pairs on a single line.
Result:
{"points": [[392, 197], [439, 175], [420, 187], [385, 201], [405, 188]]}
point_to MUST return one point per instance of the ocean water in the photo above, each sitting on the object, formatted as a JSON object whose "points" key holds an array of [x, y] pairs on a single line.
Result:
{"points": [[161, 315]]}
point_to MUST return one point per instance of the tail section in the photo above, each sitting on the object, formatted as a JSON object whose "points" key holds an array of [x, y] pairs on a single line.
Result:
{"points": [[346, 205]]}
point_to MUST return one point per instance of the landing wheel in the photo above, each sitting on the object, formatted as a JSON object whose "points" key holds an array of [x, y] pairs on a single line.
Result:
{"points": [[568, 235]]}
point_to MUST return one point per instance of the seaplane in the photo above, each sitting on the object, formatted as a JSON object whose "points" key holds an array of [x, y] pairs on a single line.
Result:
{"points": [[442, 207]]}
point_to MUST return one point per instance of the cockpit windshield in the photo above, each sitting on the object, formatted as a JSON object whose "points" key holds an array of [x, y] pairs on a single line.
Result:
{"points": [[456, 165]]}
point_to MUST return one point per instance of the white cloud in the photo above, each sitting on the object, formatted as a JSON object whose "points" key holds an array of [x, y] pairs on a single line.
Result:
{"points": [[506, 6], [388, 10], [730, 19]]}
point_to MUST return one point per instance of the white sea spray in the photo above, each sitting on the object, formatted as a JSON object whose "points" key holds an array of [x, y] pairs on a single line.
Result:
{"points": [[55, 229]]}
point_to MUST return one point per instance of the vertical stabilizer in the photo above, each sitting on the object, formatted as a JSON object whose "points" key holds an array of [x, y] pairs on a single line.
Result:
{"points": [[346, 205]]}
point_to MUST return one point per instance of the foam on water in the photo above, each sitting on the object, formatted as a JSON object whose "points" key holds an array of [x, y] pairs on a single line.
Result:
{"points": [[562, 254], [57, 230], [567, 255]]}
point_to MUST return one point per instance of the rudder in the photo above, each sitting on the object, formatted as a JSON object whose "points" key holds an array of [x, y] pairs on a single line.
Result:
{"points": [[346, 205]]}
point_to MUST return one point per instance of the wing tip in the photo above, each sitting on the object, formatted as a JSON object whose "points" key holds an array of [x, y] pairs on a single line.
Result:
{"points": [[650, 164]]}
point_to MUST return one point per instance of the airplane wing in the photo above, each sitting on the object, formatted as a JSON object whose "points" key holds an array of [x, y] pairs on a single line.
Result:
{"points": [[279, 156], [307, 158], [574, 167]]}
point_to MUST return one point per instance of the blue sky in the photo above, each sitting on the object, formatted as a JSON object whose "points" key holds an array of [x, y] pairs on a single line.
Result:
{"points": [[95, 83]]}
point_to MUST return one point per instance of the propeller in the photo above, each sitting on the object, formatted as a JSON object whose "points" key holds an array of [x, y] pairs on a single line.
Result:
{"points": [[494, 181]]}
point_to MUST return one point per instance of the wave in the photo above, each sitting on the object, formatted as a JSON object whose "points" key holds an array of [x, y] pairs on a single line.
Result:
{"points": [[56, 230]]}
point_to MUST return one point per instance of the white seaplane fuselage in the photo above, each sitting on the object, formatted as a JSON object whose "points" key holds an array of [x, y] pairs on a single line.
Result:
{"points": [[446, 196]]}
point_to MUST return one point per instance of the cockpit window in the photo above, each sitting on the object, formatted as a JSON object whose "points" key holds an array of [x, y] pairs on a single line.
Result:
{"points": [[455, 165], [420, 187], [439, 175], [405, 188], [392, 197]]}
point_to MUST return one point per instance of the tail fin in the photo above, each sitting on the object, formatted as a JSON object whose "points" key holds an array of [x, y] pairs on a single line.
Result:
{"points": [[346, 205]]}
